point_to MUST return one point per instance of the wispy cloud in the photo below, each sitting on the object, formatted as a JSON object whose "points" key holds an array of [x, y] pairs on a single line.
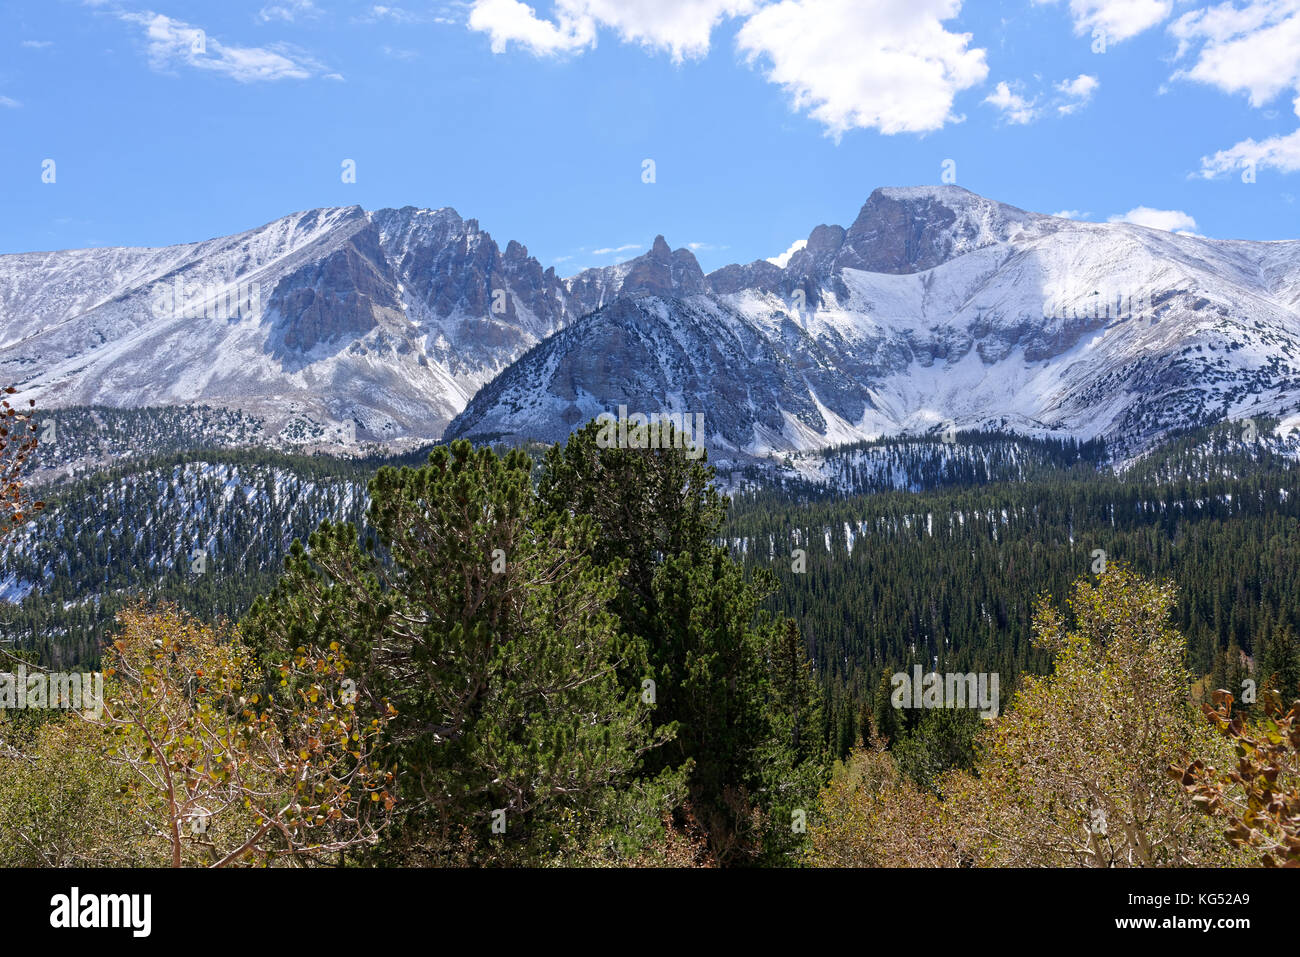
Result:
{"points": [[9, 102], [289, 11], [38, 44], [1281, 153], [1019, 108], [682, 28], [1077, 92], [1015, 108], [1116, 20], [174, 43], [616, 249], [1251, 49], [383, 13]]}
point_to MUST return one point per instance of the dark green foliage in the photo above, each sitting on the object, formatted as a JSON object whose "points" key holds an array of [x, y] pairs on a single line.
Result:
{"points": [[953, 574], [732, 680], [917, 463], [942, 740], [135, 531], [883, 711], [1279, 664], [626, 566], [482, 618]]}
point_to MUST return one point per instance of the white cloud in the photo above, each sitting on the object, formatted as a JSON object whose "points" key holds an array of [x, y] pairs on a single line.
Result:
{"points": [[889, 65], [508, 21], [1015, 108], [288, 11], [615, 249], [38, 44], [680, 27], [783, 260], [1077, 92], [1253, 49], [378, 12], [9, 103], [1116, 20], [1170, 220], [1021, 108], [173, 42], [1072, 214], [1281, 153], [884, 64]]}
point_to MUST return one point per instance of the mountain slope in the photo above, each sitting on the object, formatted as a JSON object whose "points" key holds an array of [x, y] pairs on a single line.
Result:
{"points": [[936, 308], [376, 325]]}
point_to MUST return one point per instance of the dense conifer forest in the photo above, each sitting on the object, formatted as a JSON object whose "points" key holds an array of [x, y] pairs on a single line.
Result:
{"points": [[588, 656], [949, 578]]}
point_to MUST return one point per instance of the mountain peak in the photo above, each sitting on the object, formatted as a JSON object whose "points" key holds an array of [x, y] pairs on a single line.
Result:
{"points": [[664, 272], [395, 318], [906, 229], [931, 191]]}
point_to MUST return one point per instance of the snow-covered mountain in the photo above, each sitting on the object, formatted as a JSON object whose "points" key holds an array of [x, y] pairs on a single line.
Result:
{"points": [[936, 309], [366, 325]]}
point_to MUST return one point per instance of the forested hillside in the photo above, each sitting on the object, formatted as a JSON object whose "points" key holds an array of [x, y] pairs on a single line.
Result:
{"points": [[586, 656], [941, 560], [207, 529], [948, 578], [952, 459]]}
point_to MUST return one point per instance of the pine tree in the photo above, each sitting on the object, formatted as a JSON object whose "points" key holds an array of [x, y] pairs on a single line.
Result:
{"points": [[481, 618], [1279, 664], [886, 716], [696, 614], [795, 706]]}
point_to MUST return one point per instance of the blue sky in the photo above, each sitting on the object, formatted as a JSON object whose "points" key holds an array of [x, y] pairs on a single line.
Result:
{"points": [[763, 119]]}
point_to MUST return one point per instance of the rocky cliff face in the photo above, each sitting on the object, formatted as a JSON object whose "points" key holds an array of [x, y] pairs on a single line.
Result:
{"points": [[910, 230], [335, 299], [660, 272], [935, 306], [379, 325]]}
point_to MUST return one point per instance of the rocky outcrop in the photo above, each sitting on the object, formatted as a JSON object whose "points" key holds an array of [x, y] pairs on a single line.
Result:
{"points": [[934, 305], [907, 230], [336, 299]]}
